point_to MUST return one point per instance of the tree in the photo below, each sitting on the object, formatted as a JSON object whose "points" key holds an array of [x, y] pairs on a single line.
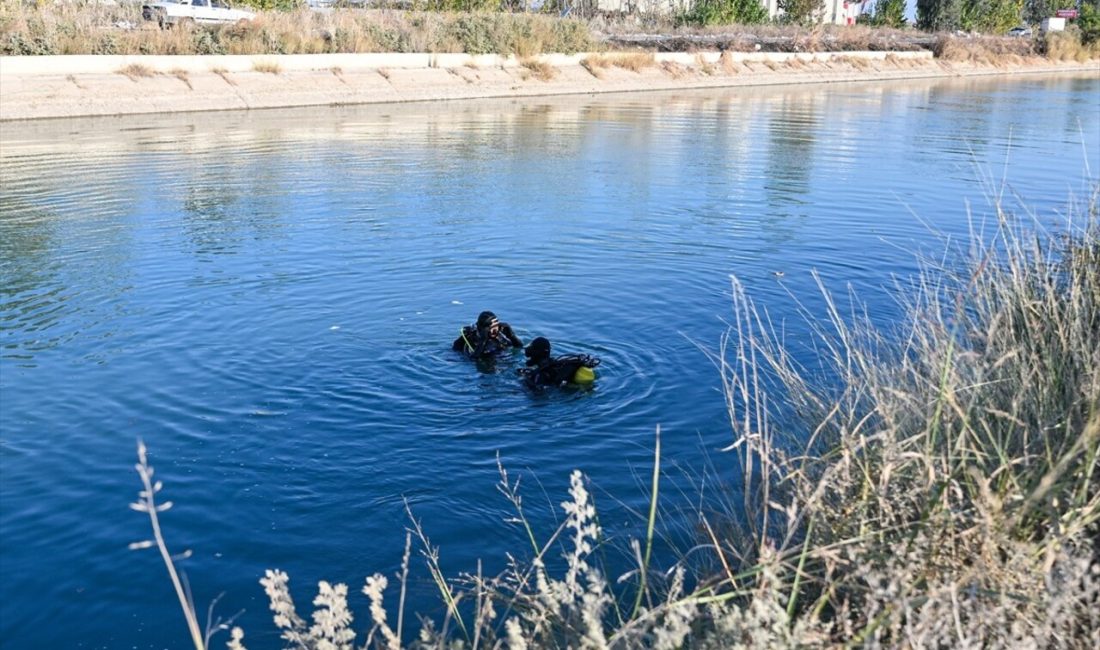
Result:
{"points": [[939, 15], [1036, 10], [889, 13], [726, 12], [990, 16], [802, 12], [1089, 22]]}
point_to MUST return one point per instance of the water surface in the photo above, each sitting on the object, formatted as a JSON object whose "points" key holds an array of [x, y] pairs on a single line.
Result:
{"points": [[268, 300]]}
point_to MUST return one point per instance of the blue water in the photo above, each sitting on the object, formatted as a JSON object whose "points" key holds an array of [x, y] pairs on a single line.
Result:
{"points": [[267, 299]]}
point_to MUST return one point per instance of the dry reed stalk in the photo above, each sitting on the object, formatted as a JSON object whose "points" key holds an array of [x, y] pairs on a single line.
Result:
{"points": [[147, 503]]}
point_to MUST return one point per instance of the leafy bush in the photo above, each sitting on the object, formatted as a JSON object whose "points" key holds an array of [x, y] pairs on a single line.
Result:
{"points": [[474, 33], [725, 12], [801, 12], [1089, 24], [888, 13]]}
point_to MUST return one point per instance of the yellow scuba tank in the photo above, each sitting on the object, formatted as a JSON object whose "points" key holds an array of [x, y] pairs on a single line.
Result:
{"points": [[584, 375]]}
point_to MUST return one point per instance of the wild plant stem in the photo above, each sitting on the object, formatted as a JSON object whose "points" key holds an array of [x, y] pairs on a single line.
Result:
{"points": [[151, 509], [649, 524]]}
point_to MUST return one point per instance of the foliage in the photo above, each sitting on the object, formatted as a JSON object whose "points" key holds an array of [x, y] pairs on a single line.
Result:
{"points": [[1089, 23], [725, 12], [990, 16], [801, 12], [888, 13], [1036, 10], [939, 15], [984, 16]]}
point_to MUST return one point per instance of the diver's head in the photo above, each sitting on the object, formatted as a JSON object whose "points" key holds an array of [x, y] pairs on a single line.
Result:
{"points": [[538, 351], [486, 320]]}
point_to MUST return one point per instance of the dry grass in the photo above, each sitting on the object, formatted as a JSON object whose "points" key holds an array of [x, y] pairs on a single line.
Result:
{"points": [[539, 69], [725, 61], [706, 67], [594, 65], [769, 38], [91, 29], [633, 61], [268, 67], [989, 51], [951, 465], [136, 71], [897, 61], [674, 70], [1067, 46], [857, 62], [224, 74], [183, 76]]}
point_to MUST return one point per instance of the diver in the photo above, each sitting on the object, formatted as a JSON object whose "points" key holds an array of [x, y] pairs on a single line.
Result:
{"points": [[543, 370], [486, 338]]}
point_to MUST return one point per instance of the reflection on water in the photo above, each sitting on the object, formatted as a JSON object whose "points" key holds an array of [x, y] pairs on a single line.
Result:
{"points": [[268, 299]]}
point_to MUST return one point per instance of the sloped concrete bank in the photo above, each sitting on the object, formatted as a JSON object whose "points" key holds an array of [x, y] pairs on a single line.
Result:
{"points": [[72, 86]]}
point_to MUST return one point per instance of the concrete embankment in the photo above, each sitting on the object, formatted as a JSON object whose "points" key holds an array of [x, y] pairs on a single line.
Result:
{"points": [[71, 86]]}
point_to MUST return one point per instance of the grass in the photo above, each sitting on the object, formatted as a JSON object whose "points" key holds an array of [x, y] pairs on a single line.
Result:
{"points": [[934, 484], [136, 71], [950, 473], [183, 76], [704, 66], [268, 67], [224, 74], [92, 29], [1067, 46], [674, 70], [633, 61], [539, 69]]}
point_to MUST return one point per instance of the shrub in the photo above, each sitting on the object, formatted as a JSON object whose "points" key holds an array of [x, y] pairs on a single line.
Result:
{"points": [[1089, 24], [725, 12], [473, 33]]}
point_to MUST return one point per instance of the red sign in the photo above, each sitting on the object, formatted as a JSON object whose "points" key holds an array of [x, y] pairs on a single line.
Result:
{"points": [[1066, 13]]}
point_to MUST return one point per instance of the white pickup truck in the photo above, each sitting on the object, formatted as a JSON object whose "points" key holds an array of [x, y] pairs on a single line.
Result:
{"points": [[176, 12]]}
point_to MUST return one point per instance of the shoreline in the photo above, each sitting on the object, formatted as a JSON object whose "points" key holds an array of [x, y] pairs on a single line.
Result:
{"points": [[87, 86]]}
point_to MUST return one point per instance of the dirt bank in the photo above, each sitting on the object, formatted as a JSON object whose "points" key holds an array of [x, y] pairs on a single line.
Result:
{"points": [[45, 87]]}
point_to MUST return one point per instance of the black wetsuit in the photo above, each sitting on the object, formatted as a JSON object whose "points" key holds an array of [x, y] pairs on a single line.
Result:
{"points": [[477, 346], [557, 372]]}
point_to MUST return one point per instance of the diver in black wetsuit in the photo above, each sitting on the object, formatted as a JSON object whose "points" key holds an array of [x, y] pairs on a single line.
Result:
{"points": [[486, 338], [543, 370]]}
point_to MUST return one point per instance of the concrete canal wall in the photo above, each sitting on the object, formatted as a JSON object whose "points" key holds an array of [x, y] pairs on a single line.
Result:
{"points": [[69, 86]]}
